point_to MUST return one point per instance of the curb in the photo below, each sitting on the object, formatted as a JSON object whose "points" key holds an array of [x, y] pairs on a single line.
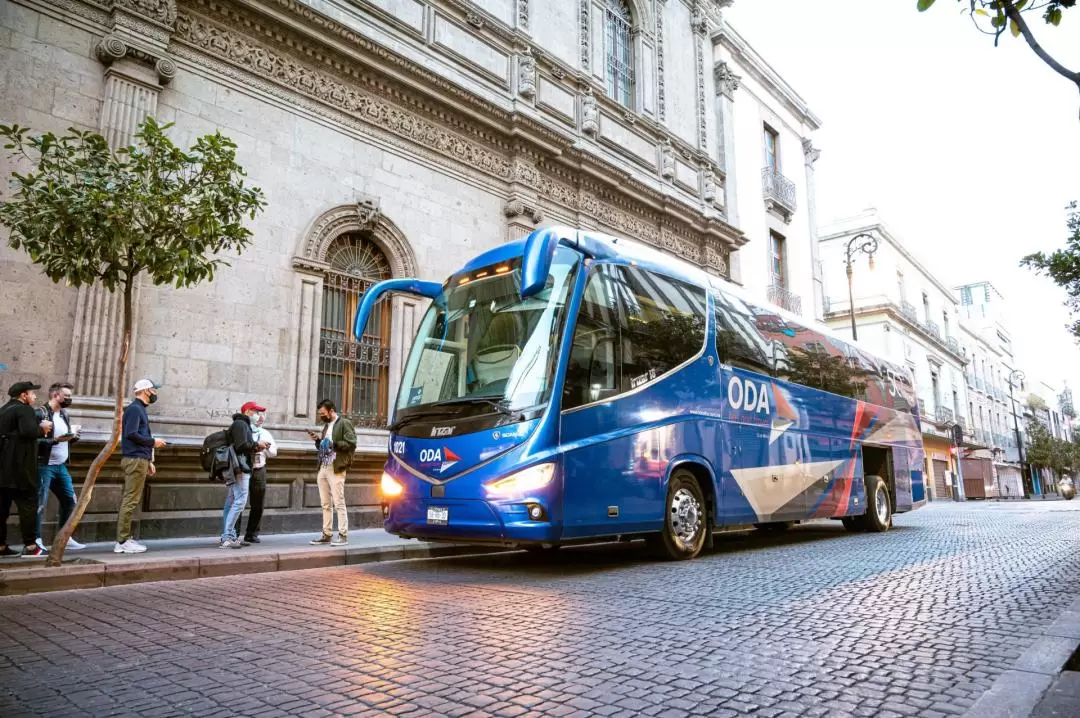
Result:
{"points": [[1017, 691], [39, 579]]}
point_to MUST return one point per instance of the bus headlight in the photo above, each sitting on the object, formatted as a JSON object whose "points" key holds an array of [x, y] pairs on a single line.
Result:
{"points": [[519, 482], [390, 487]]}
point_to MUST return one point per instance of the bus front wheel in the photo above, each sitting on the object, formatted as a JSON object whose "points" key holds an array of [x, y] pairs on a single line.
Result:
{"points": [[685, 521], [878, 515]]}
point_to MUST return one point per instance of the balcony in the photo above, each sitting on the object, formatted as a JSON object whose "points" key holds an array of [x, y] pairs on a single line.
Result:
{"points": [[944, 415], [962, 422], [980, 384], [784, 298], [779, 192], [970, 379], [954, 345], [932, 328], [908, 310]]}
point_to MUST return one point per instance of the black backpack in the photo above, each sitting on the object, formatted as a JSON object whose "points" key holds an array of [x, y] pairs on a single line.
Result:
{"points": [[217, 455]]}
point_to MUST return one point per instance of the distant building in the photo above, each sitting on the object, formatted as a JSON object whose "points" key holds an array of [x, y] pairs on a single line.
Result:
{"points": [[906, 314]]}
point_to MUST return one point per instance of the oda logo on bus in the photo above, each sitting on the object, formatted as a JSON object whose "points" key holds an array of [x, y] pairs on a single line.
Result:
{"points": [[748, 395]]}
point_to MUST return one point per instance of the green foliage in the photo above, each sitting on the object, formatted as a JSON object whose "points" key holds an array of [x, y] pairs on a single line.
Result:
{"points": [[88, 214], [1063, 266], [998, 11], [992, 17], [1046, 451]]}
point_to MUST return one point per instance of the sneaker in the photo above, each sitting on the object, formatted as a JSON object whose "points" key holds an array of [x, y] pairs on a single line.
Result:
{"points": [[244, 542], [341, 540], [253, 539], [129, 546], [35, 552], [41, 545], [322, 540], [73, 545], [8, 552], [232, 543]]}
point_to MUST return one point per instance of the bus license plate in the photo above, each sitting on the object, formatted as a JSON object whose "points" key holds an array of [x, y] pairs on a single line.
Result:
{"points": [[438, 515]]}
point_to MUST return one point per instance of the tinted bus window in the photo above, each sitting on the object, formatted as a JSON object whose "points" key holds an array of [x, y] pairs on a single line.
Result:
{"points": [[665, 325], [633, 326], [738, 341]]}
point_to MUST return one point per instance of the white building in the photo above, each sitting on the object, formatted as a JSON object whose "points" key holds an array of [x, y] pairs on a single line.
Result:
{"points": [[907, 315], [767, 150]]}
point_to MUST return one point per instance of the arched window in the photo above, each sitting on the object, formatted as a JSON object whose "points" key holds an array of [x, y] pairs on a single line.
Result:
{"points": [[618, 48], [355, 375]]}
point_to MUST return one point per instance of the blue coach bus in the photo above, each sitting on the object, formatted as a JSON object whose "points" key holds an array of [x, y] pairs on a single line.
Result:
{"points": [[572, 386]]}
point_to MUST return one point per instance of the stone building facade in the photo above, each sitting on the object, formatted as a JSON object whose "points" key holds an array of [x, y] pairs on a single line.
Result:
{"points": [[391, 138]]}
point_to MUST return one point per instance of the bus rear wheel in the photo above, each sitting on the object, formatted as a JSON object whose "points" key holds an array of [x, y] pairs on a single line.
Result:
{"points": [[685, 521], [878, 516]]}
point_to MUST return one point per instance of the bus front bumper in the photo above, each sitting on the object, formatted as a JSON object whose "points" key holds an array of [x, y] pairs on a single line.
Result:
{"points": [[475, 520]]}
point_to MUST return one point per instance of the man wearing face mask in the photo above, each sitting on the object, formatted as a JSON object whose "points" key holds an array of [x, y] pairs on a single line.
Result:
{"points": [[263, 438], [336, 445], [20, 428], [137, 445], [53, 453], [242, 436]]}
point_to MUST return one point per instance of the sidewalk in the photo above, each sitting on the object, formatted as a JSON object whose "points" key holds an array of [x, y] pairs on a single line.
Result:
{"points": [[190, 558]]}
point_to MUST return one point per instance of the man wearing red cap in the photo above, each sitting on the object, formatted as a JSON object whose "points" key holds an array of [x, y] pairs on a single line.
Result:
{"points": [[243, 443]]}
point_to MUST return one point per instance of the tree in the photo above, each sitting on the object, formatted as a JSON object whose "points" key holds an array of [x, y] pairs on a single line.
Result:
{"points": [[992, 17], [1063, 266], [88, 214]]}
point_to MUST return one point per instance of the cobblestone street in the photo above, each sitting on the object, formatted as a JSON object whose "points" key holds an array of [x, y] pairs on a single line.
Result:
{"points": [[918, 621]]}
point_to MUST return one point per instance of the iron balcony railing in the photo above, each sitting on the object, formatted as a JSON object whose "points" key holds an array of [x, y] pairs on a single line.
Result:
{"points": [[908, 310], [932, 328], [783, 297], [954, 345], [944, 415], [970, 379], [778, 189], [980, 384], [962, 421]]}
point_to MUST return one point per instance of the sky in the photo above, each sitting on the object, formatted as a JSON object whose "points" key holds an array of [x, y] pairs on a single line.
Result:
{"points": [[969, 152]]}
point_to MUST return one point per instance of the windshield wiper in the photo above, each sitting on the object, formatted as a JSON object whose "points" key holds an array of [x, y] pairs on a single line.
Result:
{"points": [[440, 406]]}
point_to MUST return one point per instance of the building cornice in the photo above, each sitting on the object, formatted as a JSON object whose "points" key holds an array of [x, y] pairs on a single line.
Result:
{"points": [[756, 66], [828, 235]]}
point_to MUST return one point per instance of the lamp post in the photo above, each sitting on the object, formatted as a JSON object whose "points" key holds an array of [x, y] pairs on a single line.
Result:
{"points": [[868, 245], [1014, 376]]}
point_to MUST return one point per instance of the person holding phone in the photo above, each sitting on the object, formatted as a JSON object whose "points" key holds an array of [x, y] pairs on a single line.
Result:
{"points": [[53, 453], [137, 445], [335, 444], [20, 427]]}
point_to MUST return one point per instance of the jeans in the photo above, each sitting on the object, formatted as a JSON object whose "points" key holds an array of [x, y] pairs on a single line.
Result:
{"points": [[26, 504], [135, 471], [58, 478], [235, 500], [332, 498], [258, 497]]}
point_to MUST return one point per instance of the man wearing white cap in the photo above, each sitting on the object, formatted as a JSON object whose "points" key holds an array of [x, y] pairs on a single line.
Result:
{"points": [[137, 445]]}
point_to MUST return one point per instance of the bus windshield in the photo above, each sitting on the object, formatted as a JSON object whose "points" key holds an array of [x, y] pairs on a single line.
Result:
{"points": [[481, 344]]}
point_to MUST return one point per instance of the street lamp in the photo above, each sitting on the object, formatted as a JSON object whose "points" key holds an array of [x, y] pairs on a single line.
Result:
{"points": [[868, 245], [1014, 376]]}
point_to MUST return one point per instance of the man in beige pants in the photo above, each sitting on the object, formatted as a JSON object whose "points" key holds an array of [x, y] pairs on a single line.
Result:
{"points": [[336, 445]]}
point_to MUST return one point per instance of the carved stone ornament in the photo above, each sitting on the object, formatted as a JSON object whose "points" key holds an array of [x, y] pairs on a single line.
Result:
{"points": [[708, 185], [811, 153], [526, 74], [516, 208], [590, 114], [112, 48], [523, 14], [368, 212], [667, 160], [629, 117], [162, 11], [726, 80], [583, 34], [661, 103], [474, 19], [699, 21]]}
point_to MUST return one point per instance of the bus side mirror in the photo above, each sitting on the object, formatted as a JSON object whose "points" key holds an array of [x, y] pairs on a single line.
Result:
{"points": [[417, 287], [536, 260]]}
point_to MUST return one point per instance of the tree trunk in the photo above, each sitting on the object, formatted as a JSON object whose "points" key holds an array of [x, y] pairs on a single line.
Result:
{"points": [[59, 545]]}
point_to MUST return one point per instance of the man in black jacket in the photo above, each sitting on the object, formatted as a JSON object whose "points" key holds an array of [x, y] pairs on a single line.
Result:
{"points": [[54, 449], [238, 485], [19, 430]]}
